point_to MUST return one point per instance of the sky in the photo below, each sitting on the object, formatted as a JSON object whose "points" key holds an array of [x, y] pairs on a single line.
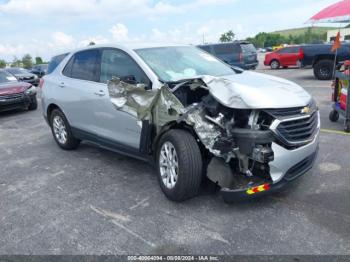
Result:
{"points": [[49, 27]]}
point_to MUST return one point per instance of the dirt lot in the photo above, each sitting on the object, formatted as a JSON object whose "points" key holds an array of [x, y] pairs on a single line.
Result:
{"points": [[91, 201]]}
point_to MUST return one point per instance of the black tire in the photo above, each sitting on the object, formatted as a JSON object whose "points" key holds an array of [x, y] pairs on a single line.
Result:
{"points": [[334, 116], [71, 142], [189, 172], [33, 105], [323, 69], [347, 127], [285, 67], [275, 64]]}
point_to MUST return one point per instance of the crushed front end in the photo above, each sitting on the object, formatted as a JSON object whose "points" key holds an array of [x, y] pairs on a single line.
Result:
{"points": [[248, 152]]}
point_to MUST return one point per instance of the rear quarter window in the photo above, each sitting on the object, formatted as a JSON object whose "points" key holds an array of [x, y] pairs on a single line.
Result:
{"points": [[55, 61], [248, 48]]}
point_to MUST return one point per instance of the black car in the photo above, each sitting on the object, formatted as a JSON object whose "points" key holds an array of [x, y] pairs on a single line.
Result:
{"points": [[240, 53], [23, 75], [39, 70], [15, 94], [321, 58]]}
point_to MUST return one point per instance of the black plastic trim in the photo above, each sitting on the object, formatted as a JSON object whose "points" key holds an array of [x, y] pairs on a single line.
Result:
{"points": [[110, 144]]}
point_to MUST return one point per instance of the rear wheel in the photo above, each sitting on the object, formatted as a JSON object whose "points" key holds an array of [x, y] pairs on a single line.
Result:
{"points": [[334, 116], [62, 132], [179, 163], [275, 64], [323, 69]]}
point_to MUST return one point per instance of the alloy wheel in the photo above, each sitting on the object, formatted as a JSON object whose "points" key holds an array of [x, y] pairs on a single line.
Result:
{"points": [[59, 129], [168, 165]]}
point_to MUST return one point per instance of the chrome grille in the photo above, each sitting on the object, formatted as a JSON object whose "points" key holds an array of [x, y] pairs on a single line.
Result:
{"points": [[296, 131], [284, 112]]}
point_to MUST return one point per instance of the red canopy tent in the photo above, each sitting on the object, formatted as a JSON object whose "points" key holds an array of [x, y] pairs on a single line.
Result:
{"points": [[336, 13]]}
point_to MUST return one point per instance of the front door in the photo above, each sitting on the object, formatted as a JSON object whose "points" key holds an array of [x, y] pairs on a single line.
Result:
{"points": [[116, 125]]}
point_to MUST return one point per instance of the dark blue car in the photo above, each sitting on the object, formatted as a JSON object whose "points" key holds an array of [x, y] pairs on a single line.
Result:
{"points": [[240, 53]]}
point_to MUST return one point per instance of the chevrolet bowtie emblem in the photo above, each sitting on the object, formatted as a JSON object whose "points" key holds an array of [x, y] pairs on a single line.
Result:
{"points": [[305, 110]]}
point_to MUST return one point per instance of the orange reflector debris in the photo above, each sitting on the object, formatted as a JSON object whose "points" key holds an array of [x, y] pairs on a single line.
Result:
{"points": [[258, 189]]}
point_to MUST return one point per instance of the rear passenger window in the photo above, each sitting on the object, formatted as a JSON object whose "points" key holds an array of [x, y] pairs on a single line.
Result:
{"points": [[83, 65], [224, 49], [117, 63]]}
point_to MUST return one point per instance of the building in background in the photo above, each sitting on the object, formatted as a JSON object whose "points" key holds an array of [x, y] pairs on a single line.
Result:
{"points": [[344, 34]]}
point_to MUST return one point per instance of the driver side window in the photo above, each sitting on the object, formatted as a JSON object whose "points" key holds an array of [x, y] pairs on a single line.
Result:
{"points": [[119, 64]]}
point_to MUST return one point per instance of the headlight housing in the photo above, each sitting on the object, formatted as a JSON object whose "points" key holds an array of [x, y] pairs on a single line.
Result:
{"points": [[30, 91]]}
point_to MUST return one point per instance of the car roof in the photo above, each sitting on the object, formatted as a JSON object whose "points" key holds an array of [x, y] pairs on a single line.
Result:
{"points": [[131, 46], [242, 42]]}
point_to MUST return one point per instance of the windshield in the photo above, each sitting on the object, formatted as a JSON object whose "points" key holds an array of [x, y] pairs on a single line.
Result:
{"points": [[17, 70], [6, 77], [180, 62]]}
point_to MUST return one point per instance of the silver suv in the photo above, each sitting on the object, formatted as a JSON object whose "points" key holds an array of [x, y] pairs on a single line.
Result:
{"points": [[194, 116]]}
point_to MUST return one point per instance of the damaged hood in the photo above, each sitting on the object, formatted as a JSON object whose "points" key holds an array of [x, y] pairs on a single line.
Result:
{"points": [[250, 90]]}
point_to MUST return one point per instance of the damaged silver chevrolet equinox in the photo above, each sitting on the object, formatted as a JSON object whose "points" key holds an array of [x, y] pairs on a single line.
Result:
{"points": [[188, 112]]}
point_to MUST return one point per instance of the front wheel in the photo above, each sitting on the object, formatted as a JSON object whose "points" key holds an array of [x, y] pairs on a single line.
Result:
{"points": [[33, 104], [179, 163]]}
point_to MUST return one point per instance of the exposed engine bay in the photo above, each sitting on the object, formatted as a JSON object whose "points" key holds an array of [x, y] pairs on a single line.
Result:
{"points": [[237, 143]]}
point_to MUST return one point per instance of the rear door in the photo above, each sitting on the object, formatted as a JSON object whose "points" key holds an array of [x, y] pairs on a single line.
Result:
{"points": [[289, 55], [80, 91]]}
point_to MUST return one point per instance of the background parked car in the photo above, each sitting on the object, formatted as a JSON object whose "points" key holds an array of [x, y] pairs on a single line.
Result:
{"points": [[321, 58], [16, 95], [23, 75], [240, 53], [39, 70], [287, 56]]}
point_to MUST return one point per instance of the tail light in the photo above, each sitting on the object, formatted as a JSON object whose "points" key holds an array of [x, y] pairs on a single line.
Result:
{"points": [[241, 57], [41, 83], [301, 52]]}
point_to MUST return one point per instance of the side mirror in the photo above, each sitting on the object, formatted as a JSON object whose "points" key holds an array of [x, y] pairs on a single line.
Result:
{"points": [[130, 79]]}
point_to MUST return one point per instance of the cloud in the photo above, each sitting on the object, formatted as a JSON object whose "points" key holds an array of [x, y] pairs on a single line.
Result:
{"points": [[102, 8], [119, 32], [98, 40], [62, 39]]}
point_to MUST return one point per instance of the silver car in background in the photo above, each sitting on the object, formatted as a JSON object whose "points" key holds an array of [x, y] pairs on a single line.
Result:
{"points": [[186, 111]]}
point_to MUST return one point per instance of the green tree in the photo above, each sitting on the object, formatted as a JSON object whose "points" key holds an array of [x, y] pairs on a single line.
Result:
{"points": [[16, 62], [27, 61], [2, 63], [229, 36], [38, 60]]}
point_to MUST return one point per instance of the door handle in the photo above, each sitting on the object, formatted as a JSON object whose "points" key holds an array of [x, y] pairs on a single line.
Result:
{"points": [[62, 85], [100, 93]]}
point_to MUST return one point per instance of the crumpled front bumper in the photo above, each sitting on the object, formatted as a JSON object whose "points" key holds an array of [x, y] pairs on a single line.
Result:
{"points": [[268, 188], [287, 167]]}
